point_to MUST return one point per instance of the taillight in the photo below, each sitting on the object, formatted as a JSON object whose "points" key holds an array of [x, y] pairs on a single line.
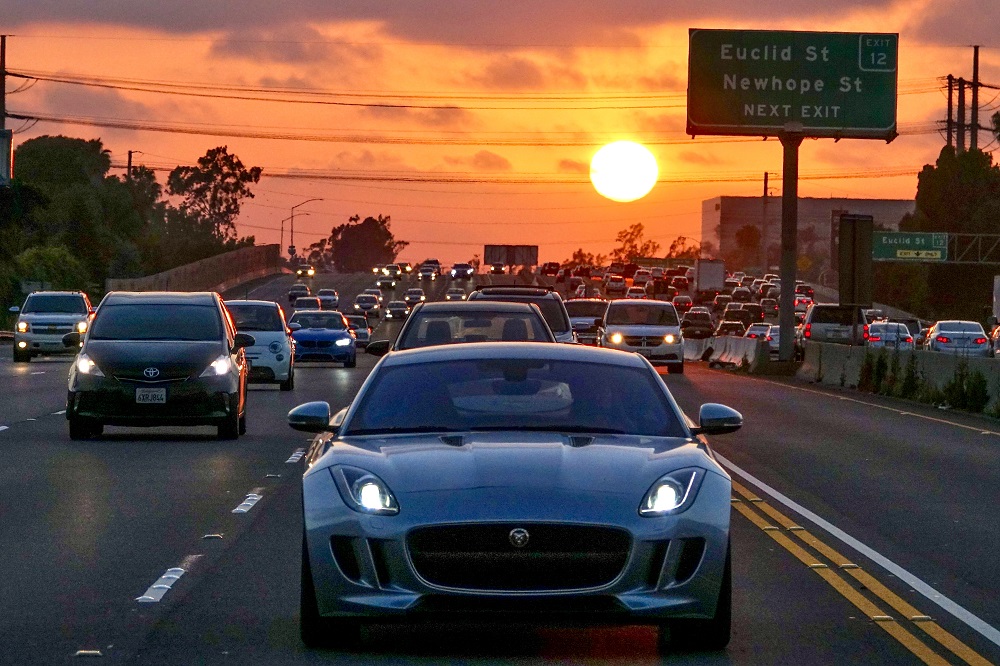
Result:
{"points": [[980, 341], [907, 339], [807, 332], [876, 338], [942, 339], [866, 332], [769, 338]]}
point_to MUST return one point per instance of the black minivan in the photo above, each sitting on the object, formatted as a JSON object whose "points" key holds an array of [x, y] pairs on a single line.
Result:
{"points": [[158, 358]]}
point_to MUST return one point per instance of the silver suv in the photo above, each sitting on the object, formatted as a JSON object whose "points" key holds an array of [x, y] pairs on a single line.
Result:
{"points": [[830, 322], [45, 318]]}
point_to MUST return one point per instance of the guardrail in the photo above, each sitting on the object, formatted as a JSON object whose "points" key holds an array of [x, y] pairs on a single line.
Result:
{"points": [[216, 273]]}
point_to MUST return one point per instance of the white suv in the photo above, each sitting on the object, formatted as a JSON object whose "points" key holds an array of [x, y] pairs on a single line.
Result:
{"points": [[648, 328], [45, 318], [272, 356]]}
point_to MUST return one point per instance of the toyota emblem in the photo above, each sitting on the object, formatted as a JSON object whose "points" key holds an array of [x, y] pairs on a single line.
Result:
{"points": [[151, 373], [519, 537]]}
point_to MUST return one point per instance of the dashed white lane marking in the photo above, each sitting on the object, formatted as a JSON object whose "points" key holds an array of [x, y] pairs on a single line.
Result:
{"points": [[252, 498], [984, 628], [163, 584], [2, 428], [40, 372], [59, 413], [297, 456]]}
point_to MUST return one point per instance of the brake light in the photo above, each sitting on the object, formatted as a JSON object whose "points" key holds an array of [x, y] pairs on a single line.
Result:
{"points": [[941, 338], [876, 338], [807, 332], [769, 338], [752, 335], [980, 341], [866, 332], [907, 339]]}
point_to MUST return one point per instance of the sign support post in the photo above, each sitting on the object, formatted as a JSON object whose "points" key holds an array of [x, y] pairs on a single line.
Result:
{"points": [[790, 142]]}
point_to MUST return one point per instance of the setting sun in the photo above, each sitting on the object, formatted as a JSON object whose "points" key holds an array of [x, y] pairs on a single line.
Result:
{"points": [[623, 171]]}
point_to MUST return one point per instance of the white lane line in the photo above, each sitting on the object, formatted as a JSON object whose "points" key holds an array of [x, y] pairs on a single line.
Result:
{"points": [[59, 413], [155, 592], [2, 428], [959, 612], [296, 456], [252, 498], [40, 372]]}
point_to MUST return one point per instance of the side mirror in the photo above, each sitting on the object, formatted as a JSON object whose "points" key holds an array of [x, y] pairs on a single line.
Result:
{"points": [[310, 417], [294, 326], [243, 340], [378, 348], [716, 419], [15, 309], [71, 339]]}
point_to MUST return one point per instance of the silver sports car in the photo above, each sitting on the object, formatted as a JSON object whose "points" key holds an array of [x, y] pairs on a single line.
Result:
{"points": [[515, 481]]}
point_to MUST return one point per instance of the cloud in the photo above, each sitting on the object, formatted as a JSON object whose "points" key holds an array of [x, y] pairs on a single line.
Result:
{"points": [[692, 157], [99, 102], [556, 23], [291, 45], [484, 160], [443, 116], [573, 166], [956, 22], [665, 122]]}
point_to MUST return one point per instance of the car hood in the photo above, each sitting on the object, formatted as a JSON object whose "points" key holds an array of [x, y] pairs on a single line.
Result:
{"points": [[641, 329], [172, 358], [604, 465]]}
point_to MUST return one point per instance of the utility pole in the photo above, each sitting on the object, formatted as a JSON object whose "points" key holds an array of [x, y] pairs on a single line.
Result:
{"points": [[128, 169], [960, 119], [951, 111], [974, 129], [3, 82]]}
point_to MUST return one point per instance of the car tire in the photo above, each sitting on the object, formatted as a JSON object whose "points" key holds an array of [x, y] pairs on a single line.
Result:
{"points": [[315, 630], [229, 428], [21, 357], [676, 368], [351, 363], [289, 383], [713, 634], [81, 428], [243, 424]]}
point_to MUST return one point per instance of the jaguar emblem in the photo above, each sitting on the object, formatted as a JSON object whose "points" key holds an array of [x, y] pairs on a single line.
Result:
{"points": [[151, 373], [519, 537]]}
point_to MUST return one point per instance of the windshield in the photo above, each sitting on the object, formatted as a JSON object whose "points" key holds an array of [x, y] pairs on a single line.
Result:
{"points": [[256, 317], [515, 394], [157, 321], [961, 327], [590, 309], [650, 314], [55, 303], [318, 320], [366, 299], [441, 328], [356, 321], [553, 311]]}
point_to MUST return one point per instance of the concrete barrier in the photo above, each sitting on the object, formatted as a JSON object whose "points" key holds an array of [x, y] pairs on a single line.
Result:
{"points": [[695, 349], [216, 273], [732, 351], [840, 365]]}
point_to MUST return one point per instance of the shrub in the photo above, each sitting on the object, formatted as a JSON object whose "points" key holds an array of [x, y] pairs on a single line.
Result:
{"points": [[866, 380]]}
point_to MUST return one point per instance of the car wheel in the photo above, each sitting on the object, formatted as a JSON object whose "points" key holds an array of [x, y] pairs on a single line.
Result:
{"points": [[351, 363], [230, 427], [676, 369], [81, 428], [710, 634], [243, 424], [289, 383], [315, 630], [21, 357]]}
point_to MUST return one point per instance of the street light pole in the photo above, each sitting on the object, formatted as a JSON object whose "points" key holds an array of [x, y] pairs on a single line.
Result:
{"points": [[281, 238], [291, 237]]}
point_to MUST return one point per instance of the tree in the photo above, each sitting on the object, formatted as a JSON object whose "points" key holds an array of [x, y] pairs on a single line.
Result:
{"points": [[360, 244], [632, 244], [683, 247], [214, 189], [55, 163], [581, 258]]}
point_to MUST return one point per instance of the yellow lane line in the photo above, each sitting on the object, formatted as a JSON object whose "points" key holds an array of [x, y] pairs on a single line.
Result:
{"points": [[901, 606], [873, 612]]}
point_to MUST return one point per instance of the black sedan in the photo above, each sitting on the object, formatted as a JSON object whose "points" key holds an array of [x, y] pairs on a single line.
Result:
{"points": [[159, 358], [523, 481]]}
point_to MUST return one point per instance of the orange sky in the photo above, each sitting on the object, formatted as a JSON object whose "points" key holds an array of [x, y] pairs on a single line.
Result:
{"points": [[555, 82]]}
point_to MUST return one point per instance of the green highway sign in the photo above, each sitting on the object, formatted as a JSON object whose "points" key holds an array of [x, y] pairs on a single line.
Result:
{"points": [[906, 246], [766, 82]]}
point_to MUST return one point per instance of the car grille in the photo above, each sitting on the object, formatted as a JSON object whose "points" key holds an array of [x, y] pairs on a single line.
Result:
{"points": [[53, 327], [644, 340], [482, 557], [315, 344]]}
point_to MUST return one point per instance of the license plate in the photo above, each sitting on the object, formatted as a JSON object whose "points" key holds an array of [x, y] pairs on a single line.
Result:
{"points": [[838, 334], [151, 396], [642, 351]]}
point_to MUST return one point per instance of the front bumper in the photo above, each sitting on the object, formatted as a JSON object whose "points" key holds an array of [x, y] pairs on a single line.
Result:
{"points": [[43, 344], [363, 566], [660, 354], [267, 366], [199, 401]]}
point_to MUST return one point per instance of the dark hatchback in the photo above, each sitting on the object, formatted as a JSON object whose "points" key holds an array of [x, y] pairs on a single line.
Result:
{"points": [[159, 358]]}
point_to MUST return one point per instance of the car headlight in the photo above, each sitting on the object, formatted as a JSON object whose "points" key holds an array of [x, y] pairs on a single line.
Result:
{"points": [[357, 306], [85, 366], [220, 366], [343, 342], [81, 327], [22, 327], [616, 338], [670, 338], [672, 493], [364, 492]]}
